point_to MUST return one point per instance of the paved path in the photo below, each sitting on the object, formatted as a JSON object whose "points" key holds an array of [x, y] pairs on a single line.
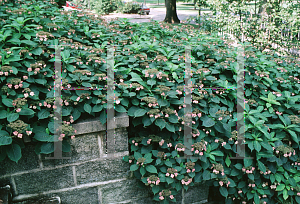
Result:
{"points": [[157, 14]]}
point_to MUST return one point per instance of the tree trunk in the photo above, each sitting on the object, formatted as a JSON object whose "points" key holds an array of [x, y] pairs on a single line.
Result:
{"points": [[171, 13], [262, 8]]}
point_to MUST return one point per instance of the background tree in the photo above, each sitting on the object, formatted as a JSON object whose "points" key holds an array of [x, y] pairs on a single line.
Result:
{"points": [[171, 13]]}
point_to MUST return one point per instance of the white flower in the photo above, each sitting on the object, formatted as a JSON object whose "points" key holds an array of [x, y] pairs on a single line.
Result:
{"points": [[31, 93]]}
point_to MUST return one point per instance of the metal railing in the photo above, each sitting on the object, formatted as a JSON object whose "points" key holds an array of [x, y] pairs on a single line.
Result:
{"points": [[286, 35]]}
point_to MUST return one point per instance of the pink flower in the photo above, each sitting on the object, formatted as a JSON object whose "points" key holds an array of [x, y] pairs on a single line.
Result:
{"points": [[18, 110], [15, 132], [16, 86], [136, 144], [221, 183], [171, 197], [28, 132], [6, 73], [29, 69], [161, 197], [201, 153], [26, 95], [73, 136], [25, 77], [20, 135], [253, 185], [167, 174]]}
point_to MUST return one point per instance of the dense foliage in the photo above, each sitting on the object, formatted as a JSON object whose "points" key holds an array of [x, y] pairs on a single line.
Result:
{"points": [[149, 72], [279, 23], [129, 7]]}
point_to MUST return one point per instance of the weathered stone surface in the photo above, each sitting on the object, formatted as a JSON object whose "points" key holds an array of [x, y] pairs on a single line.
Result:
{"points": [[147, 200], [44, 180], [104, 170], [83, 147], [122, 191], [196, 193], [94, 125], [5, 194], [120, 136], [28, 161], [78, 196], [44, 200]]}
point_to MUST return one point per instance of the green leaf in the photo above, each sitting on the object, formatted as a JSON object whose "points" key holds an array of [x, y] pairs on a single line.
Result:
{"points": [[280, 187], [134, 167], [14, 152], [76, 114], [97, 108], [142, 171], [285, 194], [151, 82], [217, 153], [37, 51], [7, 102], [103, 117], [257, 146], [12, 117], [87, 108], [5, 139], [26, 111], [66, 147], [294, 136], [227, 161], [41, 135], [155, 189], [207, 121], [120, 109], [3, 114], [41, 81], [135, 77], [146, 121], [173, 118], [223, 191], [151, 169], [47, 148], [160, 123], [261, 166], [170, 127], [43, 114], [206, 175], [168, 163], [169, 180], [139, 112], [137, 155], [86, 84]]}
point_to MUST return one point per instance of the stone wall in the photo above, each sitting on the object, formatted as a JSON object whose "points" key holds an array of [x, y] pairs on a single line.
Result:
{"points": [[90, 176]]}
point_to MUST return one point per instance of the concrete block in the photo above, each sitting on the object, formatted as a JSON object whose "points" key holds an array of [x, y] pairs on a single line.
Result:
{"points": [[44, 180], [122, 191], [103, 170], [83, 148]]}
